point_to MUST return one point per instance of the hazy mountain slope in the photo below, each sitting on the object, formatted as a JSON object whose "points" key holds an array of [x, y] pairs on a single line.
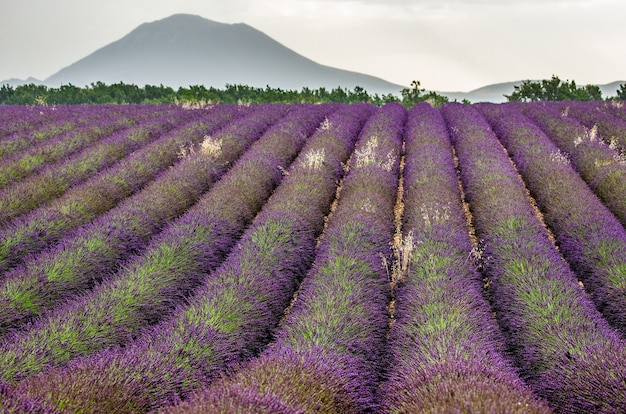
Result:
{"points": [[489, 93], [495, 93], [184, 50], [15, 82]]}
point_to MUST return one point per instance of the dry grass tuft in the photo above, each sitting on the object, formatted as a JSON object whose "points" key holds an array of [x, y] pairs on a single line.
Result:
{"points": [[325, 125], [186, 150], [314, 159], [211, 146], [436, 214], [368, 155], [403, 252], [559, 158], [196, 105]]}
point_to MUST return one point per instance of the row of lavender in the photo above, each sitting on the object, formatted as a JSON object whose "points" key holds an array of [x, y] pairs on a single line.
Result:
{"points": [[152, 283], [57, 146], [90, 254], [32, 123], [565, 350], [447, 353], [28, 234], [22, 127], [227, 318], [589, 236], [327, 355], [55, 179]]}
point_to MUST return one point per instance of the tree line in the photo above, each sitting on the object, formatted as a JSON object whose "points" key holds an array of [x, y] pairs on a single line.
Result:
{"points": [[554, 89], [123, 93]]}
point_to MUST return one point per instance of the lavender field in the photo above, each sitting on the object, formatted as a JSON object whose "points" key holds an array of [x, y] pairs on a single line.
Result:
{"points": [[330, 258]]}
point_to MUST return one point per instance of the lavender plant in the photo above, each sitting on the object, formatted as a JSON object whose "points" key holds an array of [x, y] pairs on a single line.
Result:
{"points": [[336, 329], [33, 232], [565, 350], [591, 114], [37, 124], [601, 167], [447, 353], [12, 404], [94, 251], [31, 160], [615, 108], [21, 119], [43, 128], [150, 286], [52, 181], [234, 311], [587, 233]]}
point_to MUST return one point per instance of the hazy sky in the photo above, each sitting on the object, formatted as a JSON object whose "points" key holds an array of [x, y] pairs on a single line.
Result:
{"points": [[449, 45]]}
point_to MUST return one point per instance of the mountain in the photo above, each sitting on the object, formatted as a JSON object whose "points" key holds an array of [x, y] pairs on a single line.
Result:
{"points": [[184, 50], [490, 93], [14, 82], [610, 89], [495, 93]]}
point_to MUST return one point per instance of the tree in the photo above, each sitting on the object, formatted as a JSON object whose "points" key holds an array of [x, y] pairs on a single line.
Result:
{"points": [[416, 94], [6, 94], [65, 95], [621, 92], [29, 94], [554, 89]]}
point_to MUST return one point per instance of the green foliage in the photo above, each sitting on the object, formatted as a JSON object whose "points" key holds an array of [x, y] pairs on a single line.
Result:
{"points": [[416, 95], [621, 92], [29, 94], [554, 90], [121, 93]]}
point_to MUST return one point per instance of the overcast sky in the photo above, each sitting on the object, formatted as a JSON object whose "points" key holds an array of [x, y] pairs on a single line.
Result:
{"points": [[448, 45]]}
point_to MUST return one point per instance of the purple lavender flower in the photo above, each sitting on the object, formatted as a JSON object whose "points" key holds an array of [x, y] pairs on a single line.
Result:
{"points": [[24, 163], [597, 115], [52, 181], [447, 354], [232, 314], [32, 233], [153, 284], [557, 337], [588, 235], [603, 168], [336, 329]]}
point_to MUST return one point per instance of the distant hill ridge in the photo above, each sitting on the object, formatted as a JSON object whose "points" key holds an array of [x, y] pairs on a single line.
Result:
{"points": [[496, 92], [184, 50]]}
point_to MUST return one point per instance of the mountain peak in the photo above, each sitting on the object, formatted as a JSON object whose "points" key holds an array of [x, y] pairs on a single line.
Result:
{"points": [[186, 49], [182, 20]]}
